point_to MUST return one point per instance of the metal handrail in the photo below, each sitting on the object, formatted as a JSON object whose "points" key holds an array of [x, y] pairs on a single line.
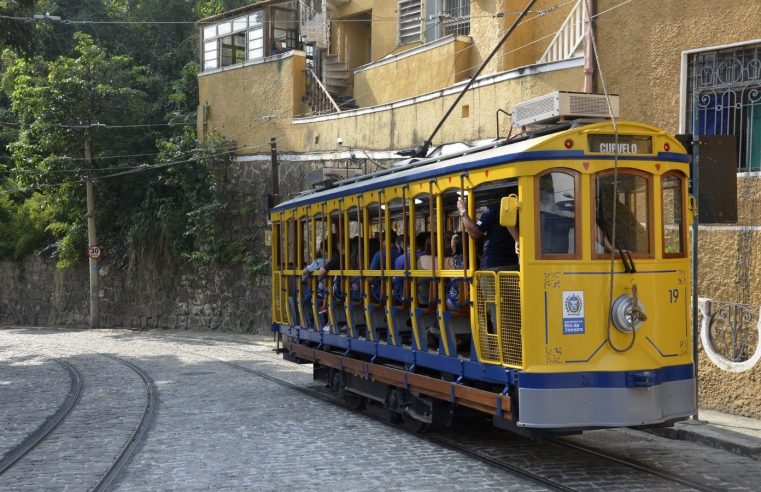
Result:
{"points": [[324, 90]]}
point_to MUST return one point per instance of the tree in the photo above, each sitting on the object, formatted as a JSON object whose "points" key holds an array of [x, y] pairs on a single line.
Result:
{"points": [[60, 106], [15, 33]]}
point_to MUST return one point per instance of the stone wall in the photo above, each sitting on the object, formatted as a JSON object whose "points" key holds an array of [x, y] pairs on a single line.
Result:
{"points": [[35, 293]]}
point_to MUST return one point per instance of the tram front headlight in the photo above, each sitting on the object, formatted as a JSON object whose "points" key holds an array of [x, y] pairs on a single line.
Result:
{"points": [[625, 317]]}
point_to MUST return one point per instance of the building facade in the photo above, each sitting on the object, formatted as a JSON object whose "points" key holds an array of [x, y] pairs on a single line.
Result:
{"points": [[349, 82]]}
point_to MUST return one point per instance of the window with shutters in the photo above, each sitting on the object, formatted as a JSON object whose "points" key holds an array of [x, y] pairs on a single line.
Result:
{"points": [[410, 21]]}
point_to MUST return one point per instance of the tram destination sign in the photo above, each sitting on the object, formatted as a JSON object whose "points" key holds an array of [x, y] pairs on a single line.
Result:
{"points": [[626, 144]]}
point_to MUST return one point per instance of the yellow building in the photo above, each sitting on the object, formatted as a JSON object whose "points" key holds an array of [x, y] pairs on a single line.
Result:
{"points": [[336, 80]]}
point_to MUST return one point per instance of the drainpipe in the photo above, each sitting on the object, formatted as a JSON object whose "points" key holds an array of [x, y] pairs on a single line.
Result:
{"points": [[590, 81]]}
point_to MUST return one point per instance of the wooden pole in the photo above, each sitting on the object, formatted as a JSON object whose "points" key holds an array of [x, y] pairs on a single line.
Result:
{"points": [[92, 239]]}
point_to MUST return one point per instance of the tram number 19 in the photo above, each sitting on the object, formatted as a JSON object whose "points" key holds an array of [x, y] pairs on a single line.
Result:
{"points": [[673, 296]]}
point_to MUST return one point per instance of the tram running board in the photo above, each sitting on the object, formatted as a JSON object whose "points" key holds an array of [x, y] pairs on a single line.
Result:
{"points": [[485, 401]]}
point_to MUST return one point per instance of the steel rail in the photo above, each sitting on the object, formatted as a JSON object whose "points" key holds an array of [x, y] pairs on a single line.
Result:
{"points": [[141, 431], [52, 423], [636, 465]]}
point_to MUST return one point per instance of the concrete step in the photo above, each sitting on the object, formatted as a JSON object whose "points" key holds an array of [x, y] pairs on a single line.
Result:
{"points": [[336, 77]]}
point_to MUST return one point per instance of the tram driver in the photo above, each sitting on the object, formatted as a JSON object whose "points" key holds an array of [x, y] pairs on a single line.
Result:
{"points": [[501, 247]]}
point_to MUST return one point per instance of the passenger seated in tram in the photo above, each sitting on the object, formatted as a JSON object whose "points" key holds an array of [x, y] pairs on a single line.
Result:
{"points": [[377, 262], [355, 287], [454, 262], [397, 283], [334, 263], [316, 264], [426, 261]]}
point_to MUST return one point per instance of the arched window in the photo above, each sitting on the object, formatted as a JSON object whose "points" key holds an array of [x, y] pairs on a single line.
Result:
{"points": [[557, 214]]}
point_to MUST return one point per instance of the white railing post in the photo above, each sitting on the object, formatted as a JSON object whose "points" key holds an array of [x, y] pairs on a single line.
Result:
{"points": [[569, 36]]}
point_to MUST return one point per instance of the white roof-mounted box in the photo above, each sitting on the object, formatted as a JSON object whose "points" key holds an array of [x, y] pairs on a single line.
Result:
{"points": [[557, 106]]}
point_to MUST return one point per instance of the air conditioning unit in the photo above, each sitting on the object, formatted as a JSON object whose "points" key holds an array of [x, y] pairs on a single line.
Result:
{"points": [[559, 105]]}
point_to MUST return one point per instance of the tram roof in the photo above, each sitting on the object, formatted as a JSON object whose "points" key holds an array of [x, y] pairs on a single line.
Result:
{"points": [[494, 153]]}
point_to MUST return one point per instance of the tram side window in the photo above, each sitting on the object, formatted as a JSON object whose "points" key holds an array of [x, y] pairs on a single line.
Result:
{"points": [[631, 198], [557, 213], [673, 216]]}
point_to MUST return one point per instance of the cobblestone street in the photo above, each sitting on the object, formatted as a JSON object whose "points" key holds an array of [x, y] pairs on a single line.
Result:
{"points": [[219, 427]]}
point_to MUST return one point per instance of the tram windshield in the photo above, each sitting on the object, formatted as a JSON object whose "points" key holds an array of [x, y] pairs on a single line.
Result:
{"points": [[630, 198]]}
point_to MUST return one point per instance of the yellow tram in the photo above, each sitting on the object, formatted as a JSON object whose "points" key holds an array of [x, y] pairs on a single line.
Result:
{"points": [[593, 328]]}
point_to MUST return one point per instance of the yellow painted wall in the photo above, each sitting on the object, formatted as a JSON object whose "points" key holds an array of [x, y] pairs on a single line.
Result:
{"points": [[531, 38], [421, 73], [251, 104], [237, 98], [384, 25], [641, 45]]}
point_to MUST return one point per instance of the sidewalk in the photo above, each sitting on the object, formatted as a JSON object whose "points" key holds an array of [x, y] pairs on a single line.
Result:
{"points": [[739, 435]]}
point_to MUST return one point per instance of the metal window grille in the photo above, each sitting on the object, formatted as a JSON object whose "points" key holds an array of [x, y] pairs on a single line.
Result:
{"points": [[455, 16], [724, 98], [410, 22]]}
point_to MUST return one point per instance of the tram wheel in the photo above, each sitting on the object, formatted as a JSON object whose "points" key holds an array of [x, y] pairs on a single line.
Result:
{"points": [[355, 401], [414, 425]]}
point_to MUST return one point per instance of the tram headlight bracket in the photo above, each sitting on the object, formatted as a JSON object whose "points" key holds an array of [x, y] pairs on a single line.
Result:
{"points": [[625, 317]]}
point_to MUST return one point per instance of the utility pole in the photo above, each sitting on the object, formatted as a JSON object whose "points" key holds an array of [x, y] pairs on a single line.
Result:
{"points": [[91, 238], [275, 172]]}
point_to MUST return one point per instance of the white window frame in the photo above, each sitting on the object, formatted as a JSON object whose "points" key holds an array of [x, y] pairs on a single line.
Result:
{"points": [[250, 25]]}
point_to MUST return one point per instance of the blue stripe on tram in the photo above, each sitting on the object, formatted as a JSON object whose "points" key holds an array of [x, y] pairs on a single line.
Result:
{"points": [[622, 379]]}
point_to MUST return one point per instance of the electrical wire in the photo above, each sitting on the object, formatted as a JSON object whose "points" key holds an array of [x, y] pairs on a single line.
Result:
{"points": [[614, 122], [18, 124], [285, 112]]}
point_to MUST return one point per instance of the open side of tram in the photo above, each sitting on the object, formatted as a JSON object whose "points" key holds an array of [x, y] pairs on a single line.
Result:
{"points": [[592, 330]]}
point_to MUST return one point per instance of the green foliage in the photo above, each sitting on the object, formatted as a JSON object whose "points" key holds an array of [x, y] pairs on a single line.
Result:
{"points": [[13, 33], [171, 203], [20, 225]]}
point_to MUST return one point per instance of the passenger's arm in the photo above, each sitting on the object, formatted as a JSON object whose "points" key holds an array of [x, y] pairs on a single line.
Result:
{"points": [[514, 233], [467, 223]]}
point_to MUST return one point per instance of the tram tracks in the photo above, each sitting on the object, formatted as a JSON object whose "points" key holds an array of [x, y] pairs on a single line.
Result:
{"points": [[51, 423], [334, 400], [472, 451], [70, 404], [141, 431]]}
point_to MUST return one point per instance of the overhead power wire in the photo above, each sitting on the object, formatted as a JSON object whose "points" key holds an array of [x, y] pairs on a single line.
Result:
{"points": [[613, 246], [423, 151], [18, 124]]}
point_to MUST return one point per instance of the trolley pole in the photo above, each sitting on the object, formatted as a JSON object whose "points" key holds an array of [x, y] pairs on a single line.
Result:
{"points": [[91, 239]]}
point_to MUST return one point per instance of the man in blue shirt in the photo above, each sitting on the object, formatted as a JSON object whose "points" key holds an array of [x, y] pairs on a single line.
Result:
{"points": [[500, 251]]}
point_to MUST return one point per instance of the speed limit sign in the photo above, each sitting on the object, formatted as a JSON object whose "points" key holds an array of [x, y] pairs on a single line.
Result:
{"points": [[94, 252]]}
